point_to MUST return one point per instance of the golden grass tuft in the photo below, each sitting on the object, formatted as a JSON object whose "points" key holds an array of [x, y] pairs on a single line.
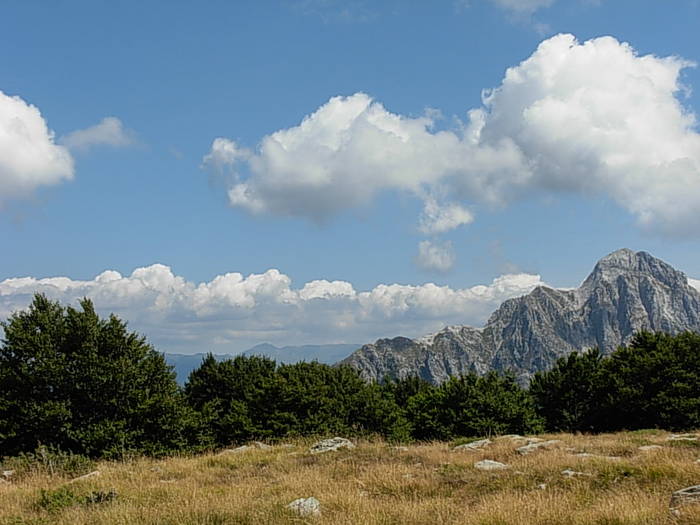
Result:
{"points": [[378, 484]]}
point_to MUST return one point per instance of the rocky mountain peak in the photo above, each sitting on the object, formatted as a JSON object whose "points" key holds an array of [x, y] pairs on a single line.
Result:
{"points": [[626, 292], [628, 264]]}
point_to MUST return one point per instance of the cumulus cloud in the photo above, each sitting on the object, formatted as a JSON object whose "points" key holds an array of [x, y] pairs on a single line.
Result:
{"points": [[436, 256], [29, 157], [232, 312], [591, 118], [110, 131], [437, 218]]}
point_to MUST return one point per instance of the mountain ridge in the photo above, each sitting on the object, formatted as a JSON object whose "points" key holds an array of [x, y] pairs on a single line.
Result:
{"points": [[626, 291]]}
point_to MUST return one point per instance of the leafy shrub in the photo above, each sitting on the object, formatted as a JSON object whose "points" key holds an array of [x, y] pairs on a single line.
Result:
{"points": [[58, 499], [78, 382], [48, 461]]}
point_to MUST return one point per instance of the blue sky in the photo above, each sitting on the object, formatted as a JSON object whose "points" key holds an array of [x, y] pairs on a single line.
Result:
{"points": [[591, 148]]}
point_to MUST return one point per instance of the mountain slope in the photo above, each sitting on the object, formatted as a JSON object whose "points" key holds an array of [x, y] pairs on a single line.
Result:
{"points": [[626, 292]]}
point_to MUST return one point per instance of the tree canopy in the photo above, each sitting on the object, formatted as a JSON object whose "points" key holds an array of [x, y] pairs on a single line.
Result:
{"points": [[84, 384]]}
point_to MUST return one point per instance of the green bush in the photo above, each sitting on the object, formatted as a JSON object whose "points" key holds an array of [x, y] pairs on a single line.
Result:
{"points": [[654, 382], [77, 382], [48, 461], [470, 405]]}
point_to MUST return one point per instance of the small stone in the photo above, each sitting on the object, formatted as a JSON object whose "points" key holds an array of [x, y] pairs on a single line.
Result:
{"points": [[596, 456], [542, 486], [568, 473], [305, 507], [474, 445], [649, 448], [8, 473], [682, 437], [400, 449], [684, 497], [330, 445], [537, 445], [488, 464], [93, 474], [237, 450]]}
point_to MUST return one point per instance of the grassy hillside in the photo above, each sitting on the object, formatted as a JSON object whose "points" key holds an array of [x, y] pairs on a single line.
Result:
{"points": [[374, 483]]}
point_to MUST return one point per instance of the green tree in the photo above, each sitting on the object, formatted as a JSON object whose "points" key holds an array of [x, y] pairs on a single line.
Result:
{"points": [[567, 395], [233, 397], [84, 384], [653, 382], [470, 405]]}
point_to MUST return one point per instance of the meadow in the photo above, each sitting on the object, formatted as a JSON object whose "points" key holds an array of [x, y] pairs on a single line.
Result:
{"points": [[601, 479]]}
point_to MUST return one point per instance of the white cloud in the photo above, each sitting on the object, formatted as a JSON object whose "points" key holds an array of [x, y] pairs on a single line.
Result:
{"points": [[584, 118], [232, 312], [436, 256], [110, 131], [29, 158], [438, 218], [225, 154]]}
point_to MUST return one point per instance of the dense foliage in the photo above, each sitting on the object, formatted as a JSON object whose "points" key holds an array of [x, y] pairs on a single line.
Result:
{"points": [[75, 382], [80, 383], [654, 382]]}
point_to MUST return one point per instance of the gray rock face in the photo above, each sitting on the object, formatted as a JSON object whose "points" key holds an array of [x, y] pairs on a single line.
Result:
{"points": [[626, 292]]}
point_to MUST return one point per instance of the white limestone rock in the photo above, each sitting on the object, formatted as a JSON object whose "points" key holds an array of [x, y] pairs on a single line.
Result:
{"points": [[305, 507], [237, 450], [331, 445], [688, 495], [537, 445], [89, 475], [682, 437], [474, 445], [488, 464], [568, 473]]}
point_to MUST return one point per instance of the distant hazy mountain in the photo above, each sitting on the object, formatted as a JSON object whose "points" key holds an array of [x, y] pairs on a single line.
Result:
{"points": [[328, 354], [626, 292]]}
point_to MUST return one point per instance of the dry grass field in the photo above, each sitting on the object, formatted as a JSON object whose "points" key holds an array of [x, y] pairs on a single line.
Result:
{"points": [[376, 483]]}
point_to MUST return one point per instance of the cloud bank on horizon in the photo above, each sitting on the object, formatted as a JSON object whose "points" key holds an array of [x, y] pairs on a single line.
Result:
{"points": [[591, 118], [232, 312]]}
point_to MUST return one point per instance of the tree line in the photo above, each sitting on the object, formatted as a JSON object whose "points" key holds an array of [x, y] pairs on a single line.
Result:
{"points": [[75, 382]]}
